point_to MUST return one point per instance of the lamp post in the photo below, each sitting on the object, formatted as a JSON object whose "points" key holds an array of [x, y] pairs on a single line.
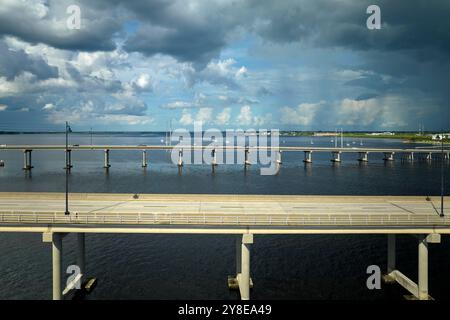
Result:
{"points": [[442, 175], [67, 168]]}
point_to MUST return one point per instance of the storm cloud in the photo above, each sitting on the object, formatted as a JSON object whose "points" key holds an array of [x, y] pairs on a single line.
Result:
{"points": [[302, 64]]}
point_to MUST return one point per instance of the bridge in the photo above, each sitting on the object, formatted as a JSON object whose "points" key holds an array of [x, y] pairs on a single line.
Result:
{"points": [[245, 216], [363, 153]]}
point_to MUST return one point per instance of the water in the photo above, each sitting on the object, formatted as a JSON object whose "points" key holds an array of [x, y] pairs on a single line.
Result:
{"points": [[196, 266]]}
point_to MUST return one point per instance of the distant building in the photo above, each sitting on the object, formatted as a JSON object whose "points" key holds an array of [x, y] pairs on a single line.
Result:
{"points": [[387, 133], [438, 136], [324, 134]]}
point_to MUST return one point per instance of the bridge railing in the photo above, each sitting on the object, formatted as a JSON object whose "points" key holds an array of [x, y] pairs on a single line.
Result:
{"points": [[13, 217]]}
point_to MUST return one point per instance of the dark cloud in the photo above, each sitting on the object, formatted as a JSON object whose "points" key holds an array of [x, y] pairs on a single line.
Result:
{"points": [[16, 62], [45, 22]]}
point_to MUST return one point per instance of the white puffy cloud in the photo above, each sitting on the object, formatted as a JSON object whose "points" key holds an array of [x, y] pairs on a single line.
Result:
{"points": [[303, 114], [3, 107], [48, 106], [223, 118], [245, 116]]}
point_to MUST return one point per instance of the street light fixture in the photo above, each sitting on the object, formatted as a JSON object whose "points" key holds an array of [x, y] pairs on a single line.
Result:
{"points": [[68, 129]]}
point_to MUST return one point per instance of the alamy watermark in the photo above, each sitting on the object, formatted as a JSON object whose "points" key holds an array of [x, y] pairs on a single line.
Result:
{"points": [[73, 22], [374, 280], [374, 20], [215, 147]]}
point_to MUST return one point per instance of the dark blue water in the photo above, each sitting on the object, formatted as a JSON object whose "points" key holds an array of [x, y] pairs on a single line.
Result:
{"points": [[196, 266]]}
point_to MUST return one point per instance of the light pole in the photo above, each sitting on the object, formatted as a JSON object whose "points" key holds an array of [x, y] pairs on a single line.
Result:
{"points": [[442, 175], [67, 168]]}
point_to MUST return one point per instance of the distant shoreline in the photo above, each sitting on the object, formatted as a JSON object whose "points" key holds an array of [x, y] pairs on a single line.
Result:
{"points": [[406, 137]]}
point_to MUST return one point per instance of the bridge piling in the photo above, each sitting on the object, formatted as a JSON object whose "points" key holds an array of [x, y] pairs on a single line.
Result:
{"points": [[279, 157], [391, 253], [106, 165], [81, 252], [144, 159], [336, 156], [214, 157], [244, 279], [247, 161], [363, 156], [27, 165], [423, 268], [308, 157], [56, 265], [180, 158], [388, 156]]}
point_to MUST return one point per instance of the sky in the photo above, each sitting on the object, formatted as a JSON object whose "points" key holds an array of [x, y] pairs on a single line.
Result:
{"points": [[287, 65]]}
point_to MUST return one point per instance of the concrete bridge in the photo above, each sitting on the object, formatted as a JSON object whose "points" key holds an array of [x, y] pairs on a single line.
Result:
{"points": [[245, 216], [409, 154]]}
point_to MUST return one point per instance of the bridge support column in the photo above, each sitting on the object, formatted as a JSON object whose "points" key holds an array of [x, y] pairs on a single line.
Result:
{"points": [[106, 165], [68, 159], [411, 156], [363, 156], [27, 160], [56, 265], [429, 157], [180, 158], [242, 280], [247, 160], [279, 157], [423, 269], [336, 156], [144, 158], [81, 256], [214, 157], [447, 156], [391, 253], [388, 156], [391, 256], [419, 290], [308, 157]]}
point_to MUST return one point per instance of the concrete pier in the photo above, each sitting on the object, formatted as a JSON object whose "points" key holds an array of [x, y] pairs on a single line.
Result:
{"points": [[68, 155], [388, 156], [423, 268], [247, 159], [144, 159], [242, 280], [56, 265], [81, 254], [308, 157], [363, 156], [336, 156], [279, 157], [180, 158], [391, 253], [27, 165], [214, 157], [106, 165], [429, 156]]}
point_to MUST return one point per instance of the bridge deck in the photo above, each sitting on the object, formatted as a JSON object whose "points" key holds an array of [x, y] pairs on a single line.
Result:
{"points": [[219, 147], [250, 211]]}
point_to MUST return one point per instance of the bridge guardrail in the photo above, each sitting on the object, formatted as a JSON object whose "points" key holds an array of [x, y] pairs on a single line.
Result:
{"points": [[12, 217]]}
